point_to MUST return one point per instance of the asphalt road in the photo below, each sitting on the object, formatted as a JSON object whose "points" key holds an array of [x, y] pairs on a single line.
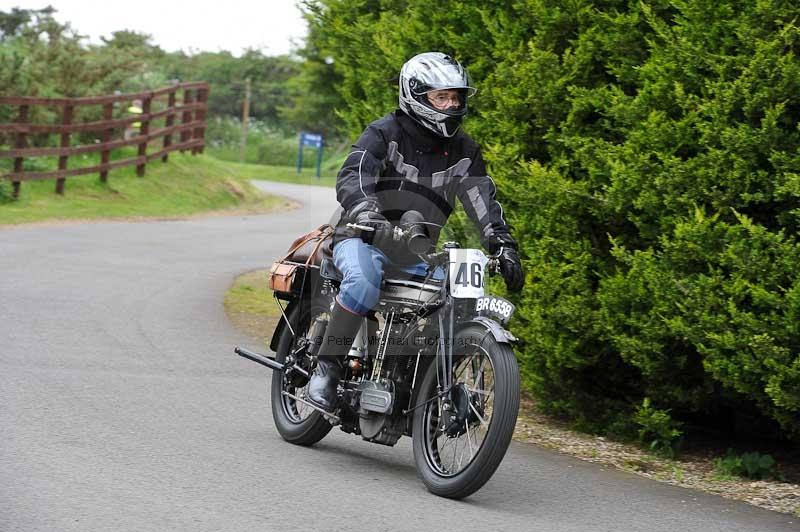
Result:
{"points": [[123, 408]]}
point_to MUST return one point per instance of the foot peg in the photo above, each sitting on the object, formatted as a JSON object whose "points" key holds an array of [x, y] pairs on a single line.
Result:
{"points": [[332, 418]]}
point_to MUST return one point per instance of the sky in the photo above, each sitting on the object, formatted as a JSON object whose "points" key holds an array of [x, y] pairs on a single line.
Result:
{"points": [[273, 26]]}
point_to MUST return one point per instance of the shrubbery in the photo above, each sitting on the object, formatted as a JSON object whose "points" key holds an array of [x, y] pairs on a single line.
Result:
{"points": [[750, 465], [648, 155], [265, 145]]}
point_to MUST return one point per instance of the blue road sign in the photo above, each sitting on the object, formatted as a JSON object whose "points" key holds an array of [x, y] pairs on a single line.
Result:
{"points": [[312, 140]]}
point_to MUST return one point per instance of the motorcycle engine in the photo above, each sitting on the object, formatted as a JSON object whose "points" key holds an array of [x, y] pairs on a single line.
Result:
{"points": [[376, 401]]}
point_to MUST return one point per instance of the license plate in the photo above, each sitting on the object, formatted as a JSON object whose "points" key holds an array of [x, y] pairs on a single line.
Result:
{"points": [[494, 307]]}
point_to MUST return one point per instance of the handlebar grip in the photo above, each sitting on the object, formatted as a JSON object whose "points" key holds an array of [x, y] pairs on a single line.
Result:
{"points": [[360, 227]]}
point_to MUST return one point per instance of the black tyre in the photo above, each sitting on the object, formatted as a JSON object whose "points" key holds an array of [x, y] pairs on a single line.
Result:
{"points": [[457, 451], [297, 422]]}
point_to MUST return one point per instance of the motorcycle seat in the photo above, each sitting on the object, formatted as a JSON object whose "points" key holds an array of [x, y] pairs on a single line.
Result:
{"points": [[328, 270]]}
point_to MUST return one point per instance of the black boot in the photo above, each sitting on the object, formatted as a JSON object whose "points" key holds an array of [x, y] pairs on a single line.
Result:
{"points": [[339, 336]]}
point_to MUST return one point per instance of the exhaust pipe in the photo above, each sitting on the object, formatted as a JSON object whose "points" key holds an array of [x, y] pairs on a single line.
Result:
{"points": [[269, 362], [273, 364]]}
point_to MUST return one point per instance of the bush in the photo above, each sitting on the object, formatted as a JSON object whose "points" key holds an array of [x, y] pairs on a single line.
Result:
{"points": [[750, 465], [648, 155], [658, 429]]}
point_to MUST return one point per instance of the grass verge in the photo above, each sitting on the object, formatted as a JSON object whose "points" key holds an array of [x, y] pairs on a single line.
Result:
{"points": [[282, 174], [250, 306], [186, 185]]}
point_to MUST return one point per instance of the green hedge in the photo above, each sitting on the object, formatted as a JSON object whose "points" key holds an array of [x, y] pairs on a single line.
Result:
{"points": [[648, 153]]}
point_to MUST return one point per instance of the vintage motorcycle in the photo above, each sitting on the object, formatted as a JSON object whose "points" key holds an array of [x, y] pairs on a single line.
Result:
{"points": [[433, 361]]}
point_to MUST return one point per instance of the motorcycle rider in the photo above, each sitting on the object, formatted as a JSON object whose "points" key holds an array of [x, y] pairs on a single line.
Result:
{"points": [[416, 158]]}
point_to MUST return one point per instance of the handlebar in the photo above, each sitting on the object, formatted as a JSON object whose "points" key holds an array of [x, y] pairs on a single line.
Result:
{"points": [[415, 238], [412, 232], [442, 258], [366, 228], [493, 266]]}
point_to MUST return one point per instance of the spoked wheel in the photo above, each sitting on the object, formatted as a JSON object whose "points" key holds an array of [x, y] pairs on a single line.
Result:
{"points": [[458, 447], [296, 421]]}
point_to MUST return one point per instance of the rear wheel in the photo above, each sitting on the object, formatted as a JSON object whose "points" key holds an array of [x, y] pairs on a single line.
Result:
{"points": [[297, 422], [458, 449]]}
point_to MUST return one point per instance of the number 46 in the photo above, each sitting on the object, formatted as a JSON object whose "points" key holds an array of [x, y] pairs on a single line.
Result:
{"points": [[475, 278]]}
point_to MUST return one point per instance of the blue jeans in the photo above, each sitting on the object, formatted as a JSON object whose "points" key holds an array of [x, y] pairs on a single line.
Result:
{"points": [[362, 266]]}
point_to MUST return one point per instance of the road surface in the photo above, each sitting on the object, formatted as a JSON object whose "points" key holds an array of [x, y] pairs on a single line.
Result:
{"points": [[123, 408]]}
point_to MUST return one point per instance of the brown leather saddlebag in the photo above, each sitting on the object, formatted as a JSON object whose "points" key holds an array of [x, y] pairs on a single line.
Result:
{"points": [[281, 277], [287, 274]]}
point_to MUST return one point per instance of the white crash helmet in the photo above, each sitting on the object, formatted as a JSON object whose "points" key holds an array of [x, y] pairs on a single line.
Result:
{"points": [[434, 71]]}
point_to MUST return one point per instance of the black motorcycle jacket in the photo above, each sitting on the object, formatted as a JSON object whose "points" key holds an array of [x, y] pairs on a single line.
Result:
{"points": [[406, 167]]}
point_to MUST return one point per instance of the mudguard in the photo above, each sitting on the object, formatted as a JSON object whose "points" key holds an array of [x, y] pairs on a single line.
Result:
{"points": [[276, 336], [495, 329]]}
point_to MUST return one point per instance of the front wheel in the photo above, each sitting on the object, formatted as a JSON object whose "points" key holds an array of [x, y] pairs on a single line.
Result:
{"points": [[458, 449]]}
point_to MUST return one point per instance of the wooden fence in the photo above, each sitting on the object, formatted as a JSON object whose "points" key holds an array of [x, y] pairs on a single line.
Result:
{"points": [[191, 111]]}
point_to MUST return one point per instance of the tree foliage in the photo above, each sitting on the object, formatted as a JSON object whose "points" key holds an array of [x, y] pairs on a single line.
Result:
{"points": [[43, 57], [648, 153]]}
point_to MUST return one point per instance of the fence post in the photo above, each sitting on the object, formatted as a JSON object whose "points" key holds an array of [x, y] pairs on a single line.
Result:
{"points": [[20, 144], [62, 159], [245, 117], [108, 114], [200, 115], [186, 118], [169, 123], [144, 131]]}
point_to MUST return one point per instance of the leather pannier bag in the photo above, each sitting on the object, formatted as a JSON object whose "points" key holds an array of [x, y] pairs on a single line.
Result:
{"points": [[281, 277], [286, 274]]}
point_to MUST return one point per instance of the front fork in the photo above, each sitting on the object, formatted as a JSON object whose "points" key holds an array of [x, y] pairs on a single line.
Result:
{"points": [[444, 362]]}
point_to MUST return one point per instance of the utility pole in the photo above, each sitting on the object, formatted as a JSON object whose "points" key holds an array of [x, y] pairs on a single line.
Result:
{"points": [[245, 116]]}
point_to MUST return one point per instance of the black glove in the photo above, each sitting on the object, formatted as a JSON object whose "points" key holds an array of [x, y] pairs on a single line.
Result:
{"points": [[367, 213], [511, 269], [510, 263]]}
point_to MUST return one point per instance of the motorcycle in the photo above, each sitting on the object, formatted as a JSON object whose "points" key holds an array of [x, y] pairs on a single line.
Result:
{"points": [[433, 361]]}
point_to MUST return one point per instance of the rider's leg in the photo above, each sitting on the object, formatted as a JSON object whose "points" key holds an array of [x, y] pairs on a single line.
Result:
{"points": [[336, 342], [362, 267]]}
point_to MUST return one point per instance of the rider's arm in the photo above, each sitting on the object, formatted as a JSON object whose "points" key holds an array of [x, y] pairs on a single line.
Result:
{"points": [[477, 194], [356, 180]]}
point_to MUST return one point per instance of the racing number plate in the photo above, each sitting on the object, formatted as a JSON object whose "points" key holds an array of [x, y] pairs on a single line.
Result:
{"points": [[496, 308], [467, 268]]}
